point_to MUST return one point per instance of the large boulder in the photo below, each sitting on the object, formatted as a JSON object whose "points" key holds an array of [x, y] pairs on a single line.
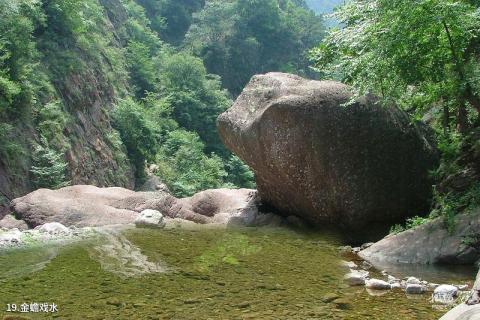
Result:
{"points": [[430, 243], [355, 165], [81, 206], [88, 206]]}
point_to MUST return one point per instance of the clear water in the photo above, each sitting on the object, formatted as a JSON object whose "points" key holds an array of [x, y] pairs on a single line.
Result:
{"points": [[198, 274]]}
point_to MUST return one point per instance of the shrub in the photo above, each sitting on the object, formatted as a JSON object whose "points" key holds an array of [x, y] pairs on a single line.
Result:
{"points": [[48, 168], [137, 134]]}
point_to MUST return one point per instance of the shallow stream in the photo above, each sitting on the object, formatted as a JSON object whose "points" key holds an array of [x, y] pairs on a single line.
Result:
{"points": [[201, 274]]}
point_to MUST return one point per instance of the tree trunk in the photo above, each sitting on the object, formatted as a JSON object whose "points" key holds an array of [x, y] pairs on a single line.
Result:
{"points": [[462, 118], [472, 98], [446, 119]]}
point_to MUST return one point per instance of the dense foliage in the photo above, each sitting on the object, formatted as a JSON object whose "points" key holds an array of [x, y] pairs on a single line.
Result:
{"points": [[160, 70], [237, 39], [424, 55]]}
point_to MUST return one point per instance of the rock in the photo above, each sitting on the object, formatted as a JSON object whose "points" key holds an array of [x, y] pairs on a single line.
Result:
{"points": [[80, 206], [154, 184], [432, 286], [342, 303], [89, 206], [329, 297], [445, 294], [10, 222], [414, 289], [462, 287], [348, 264], [230, 207], [377, 284], [11, 237], [392, 279], [375, 292], [309, 152], [396, 285], [345, 249], [463, 312], [366, 245], [475, 295], [430, 243], [54, 229], [356, 277], [150, 219], [413, 280]]}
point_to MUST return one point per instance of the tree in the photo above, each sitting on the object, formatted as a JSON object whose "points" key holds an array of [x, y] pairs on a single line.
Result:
{"points": [[184, 166], [239, 38], [48, 167], [137, 134], [196, 97], [171, 18], [420, 53]]}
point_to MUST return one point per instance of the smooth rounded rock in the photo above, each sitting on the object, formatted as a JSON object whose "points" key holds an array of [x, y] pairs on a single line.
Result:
{"points": [[377, 284], [356, 277], [150, 219], [445, 294], [53, 228], [413, 280], [414, 289]]}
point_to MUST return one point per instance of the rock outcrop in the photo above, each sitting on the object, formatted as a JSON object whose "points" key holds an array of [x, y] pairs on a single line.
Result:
{"points": [[353, 165], [430, 243], [88, 206], [94, 154]]}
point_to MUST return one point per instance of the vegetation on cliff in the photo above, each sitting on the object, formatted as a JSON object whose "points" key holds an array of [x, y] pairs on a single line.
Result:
{"points": [[92, 91]]}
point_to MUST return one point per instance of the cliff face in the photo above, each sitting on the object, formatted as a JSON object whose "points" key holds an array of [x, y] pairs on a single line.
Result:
{"points": [[85, 91]]}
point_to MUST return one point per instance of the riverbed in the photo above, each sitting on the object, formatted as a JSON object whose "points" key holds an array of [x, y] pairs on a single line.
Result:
{"points": [[251, 273]]}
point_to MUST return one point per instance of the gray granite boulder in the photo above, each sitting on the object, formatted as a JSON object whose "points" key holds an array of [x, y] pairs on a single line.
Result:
{"points": [[357, 166], [430, 243]]}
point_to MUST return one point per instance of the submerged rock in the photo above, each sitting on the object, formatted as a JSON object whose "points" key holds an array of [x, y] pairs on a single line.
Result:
{"points": [[356, 277], [377, 284], [150, 219], [414, 288], [355, 166]]}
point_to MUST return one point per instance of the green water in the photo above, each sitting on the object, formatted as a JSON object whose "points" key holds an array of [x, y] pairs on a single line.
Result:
{"points": [[196, 274]]}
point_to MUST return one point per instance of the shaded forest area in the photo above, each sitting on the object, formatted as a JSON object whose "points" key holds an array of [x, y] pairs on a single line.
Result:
{"points": [[91, 91]]}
